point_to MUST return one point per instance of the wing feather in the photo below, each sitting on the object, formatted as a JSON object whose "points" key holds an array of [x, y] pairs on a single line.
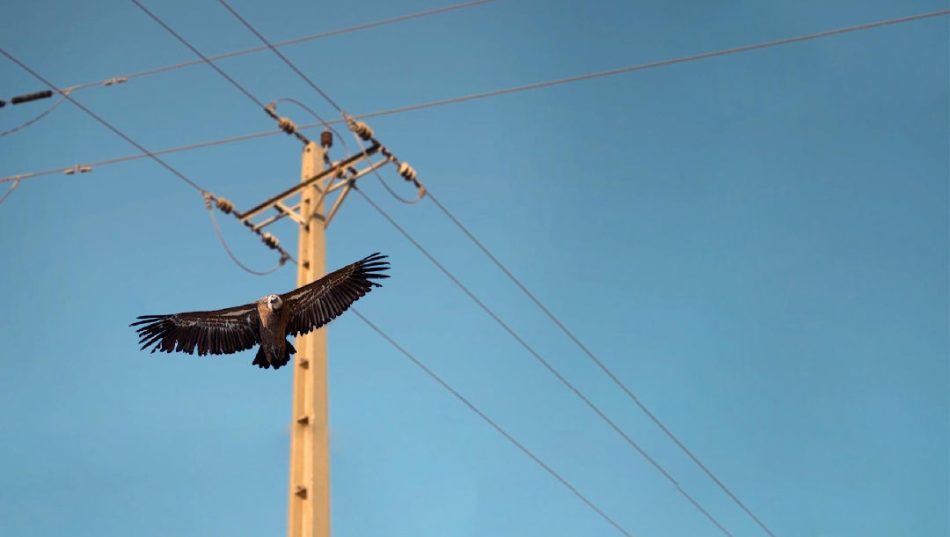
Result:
{"points": [[210, 332], [318, 303]]}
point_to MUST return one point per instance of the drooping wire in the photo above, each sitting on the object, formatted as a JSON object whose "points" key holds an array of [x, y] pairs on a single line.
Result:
{"points": [[482, 95], [547, 365], [224, 243], [494, 425], [206, 195], [598, 362], [39, 116]]}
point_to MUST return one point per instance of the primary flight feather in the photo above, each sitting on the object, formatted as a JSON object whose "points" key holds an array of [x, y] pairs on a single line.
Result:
{"points": [[266, 322]]}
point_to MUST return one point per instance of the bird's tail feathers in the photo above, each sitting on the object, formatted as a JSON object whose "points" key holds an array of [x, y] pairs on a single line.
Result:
{"points": [[261, 359]]}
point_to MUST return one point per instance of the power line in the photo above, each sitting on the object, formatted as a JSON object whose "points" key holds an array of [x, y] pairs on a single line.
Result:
{"points": [[541, 360], [37, 117], [653, 65], [373, 326], [493, 93], [432, 374], [204, 58], [597, 361], [294, 41], [207, 195], [103, 122], [504, 325], [279, 54]]}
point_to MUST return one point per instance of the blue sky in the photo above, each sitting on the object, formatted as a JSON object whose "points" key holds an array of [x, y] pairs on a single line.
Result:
{"points": [[756, 244]]}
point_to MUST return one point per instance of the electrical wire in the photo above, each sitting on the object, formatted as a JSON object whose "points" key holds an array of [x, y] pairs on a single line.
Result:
{"points": [[482, 95], [597, 361], [287, 42], [224, 243], [494, 425], [269, 45], [653, 65], [38, 117], [103, 122], [13, 186], [206, 195], [544, 362], [541, 360], [197, 52]]}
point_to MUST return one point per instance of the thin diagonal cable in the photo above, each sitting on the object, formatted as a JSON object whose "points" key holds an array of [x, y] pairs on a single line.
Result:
{"points": [[603, 367], [278, 53], [103, 122], [653, 65], [205, 193], [197, 52], [474, 96], [9, 191], [541, 360], [38, 117], [494, 425], [288, 42]]}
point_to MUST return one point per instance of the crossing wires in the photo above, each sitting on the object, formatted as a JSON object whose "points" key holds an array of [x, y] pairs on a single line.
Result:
{"points": [[207, 196], [491, 93], [538, 357], [411, 357]]}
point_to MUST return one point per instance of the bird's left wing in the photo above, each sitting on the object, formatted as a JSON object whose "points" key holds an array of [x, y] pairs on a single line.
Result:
{"points": [[210, 332], [318, 303]]}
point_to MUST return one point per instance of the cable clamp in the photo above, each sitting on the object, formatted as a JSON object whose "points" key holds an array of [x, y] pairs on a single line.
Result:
{"points": [[77, 169], [115, 81]]}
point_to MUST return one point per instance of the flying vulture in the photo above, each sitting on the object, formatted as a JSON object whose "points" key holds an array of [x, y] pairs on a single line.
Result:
{"points": [[266, 322]]}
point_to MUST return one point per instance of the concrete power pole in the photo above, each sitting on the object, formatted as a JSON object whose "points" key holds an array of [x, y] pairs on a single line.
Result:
{"points": [[309, 509], [309, 504]]}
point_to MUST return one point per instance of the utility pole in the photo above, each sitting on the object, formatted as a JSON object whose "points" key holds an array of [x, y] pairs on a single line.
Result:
{"points": [[309, 486], [309, 509]]}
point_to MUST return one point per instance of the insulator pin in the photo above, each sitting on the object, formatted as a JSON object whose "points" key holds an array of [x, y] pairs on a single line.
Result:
{"points": [[326, 139], [286, 125], [270, 240], [406, 171], [224, 205], [361, 129]]}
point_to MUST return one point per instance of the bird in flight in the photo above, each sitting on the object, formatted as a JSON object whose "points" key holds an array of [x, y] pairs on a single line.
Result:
{"points": [[266, 322]]}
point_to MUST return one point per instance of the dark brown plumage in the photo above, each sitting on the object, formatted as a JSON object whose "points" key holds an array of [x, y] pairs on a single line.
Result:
{"points": [[266, 322]]}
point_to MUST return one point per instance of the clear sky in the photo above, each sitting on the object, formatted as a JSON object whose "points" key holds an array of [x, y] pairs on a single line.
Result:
{"points": [[756, 244]]}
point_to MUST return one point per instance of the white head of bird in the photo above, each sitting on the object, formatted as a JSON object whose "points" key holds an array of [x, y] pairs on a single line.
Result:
{"points": [[273, 302]]}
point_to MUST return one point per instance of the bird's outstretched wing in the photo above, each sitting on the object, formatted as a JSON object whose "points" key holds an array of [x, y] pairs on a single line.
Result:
{"points": [[211, 332], [318, 303]]}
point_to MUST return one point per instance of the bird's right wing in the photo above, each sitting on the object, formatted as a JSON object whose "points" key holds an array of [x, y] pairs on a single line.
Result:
{"points": [[211, 332], [319, 302]]}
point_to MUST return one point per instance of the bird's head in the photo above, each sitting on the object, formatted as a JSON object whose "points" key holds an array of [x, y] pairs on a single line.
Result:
{"points": [[273, 302]]}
